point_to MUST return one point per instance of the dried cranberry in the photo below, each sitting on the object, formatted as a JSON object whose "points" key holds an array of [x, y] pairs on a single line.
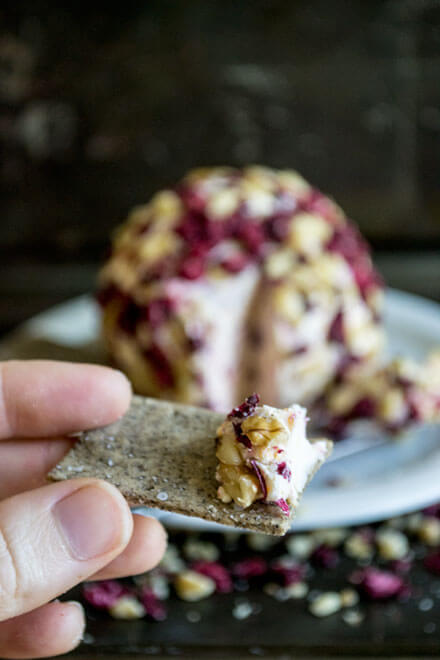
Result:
{"points": [[278, 228], [283, 505], [191, 196], [159, 270], [289, 570], [190, 229], [377, 584], [318, 203], [237, 429], [214, 232], [250, 567], [253, 236], [192, 268], [235, 263], [153, 606], [348, 242], [336, 331], [216, 572], [432, 563], [244, 440], [103, 595], [260, 477], [325, 557], [365, 408], [158, 311], [246, 408], [284, 470], [160, 365]]}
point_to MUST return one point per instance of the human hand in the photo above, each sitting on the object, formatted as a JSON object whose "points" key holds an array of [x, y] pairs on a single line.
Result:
{"points": [[54, 536]]}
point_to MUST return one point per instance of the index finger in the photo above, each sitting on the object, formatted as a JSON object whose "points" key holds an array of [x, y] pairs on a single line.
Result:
{"points": [[44, 398]]}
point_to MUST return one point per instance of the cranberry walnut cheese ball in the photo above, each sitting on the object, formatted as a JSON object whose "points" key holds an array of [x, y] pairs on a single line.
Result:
{"points": [[264, 455], [162, 455], [242, 280]]}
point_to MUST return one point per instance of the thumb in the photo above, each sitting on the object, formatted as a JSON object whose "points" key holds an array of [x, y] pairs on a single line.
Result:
{"points": [[56, 536]]}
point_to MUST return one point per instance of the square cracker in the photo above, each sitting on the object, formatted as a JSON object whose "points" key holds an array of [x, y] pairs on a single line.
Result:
{"points": [[162, 455]]}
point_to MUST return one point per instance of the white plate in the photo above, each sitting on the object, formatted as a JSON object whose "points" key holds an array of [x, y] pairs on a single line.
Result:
{"points": [[377, 477]]}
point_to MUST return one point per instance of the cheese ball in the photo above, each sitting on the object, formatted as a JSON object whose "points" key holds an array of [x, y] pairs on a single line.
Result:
{"points": [[238, 280]]}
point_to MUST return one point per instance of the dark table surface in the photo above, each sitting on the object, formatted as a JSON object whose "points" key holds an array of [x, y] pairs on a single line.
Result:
{"points": [[282, 630]]}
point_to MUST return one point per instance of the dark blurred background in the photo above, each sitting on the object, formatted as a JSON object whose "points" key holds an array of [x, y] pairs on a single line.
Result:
{"points": [[99, 108]]}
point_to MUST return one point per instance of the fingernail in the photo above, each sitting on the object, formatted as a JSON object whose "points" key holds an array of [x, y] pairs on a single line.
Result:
{"points": [[80, 634], [90, 521]]}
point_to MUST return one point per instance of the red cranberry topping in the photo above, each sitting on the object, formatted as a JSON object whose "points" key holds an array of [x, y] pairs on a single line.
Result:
{"points": [[432, 563], [336, 331], [250, 567], [278, 228], [244, 440], [158, 311], [252, 235], [191, 196], [192, 268], [283, 505], [160, 364], [241, 437], [284, 470], [235, 263], [246, 408], [161, 269], [261, 478], [289, 571], [377, 584], [318, 203], [153, 606], [105, 594], [237, 428], [365, 408], [348, 242], [216, 572], [325, 557]]}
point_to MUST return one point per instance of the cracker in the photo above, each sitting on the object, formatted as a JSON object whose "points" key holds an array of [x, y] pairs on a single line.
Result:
{"points": [[162, 455]]}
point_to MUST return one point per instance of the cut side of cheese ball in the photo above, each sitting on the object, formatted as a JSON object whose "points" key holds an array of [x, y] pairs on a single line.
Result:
{"points": [[264, 455]]}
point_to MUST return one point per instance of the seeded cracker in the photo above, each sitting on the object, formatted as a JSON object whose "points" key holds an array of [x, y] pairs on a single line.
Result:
{"points": [[162, 455]]}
